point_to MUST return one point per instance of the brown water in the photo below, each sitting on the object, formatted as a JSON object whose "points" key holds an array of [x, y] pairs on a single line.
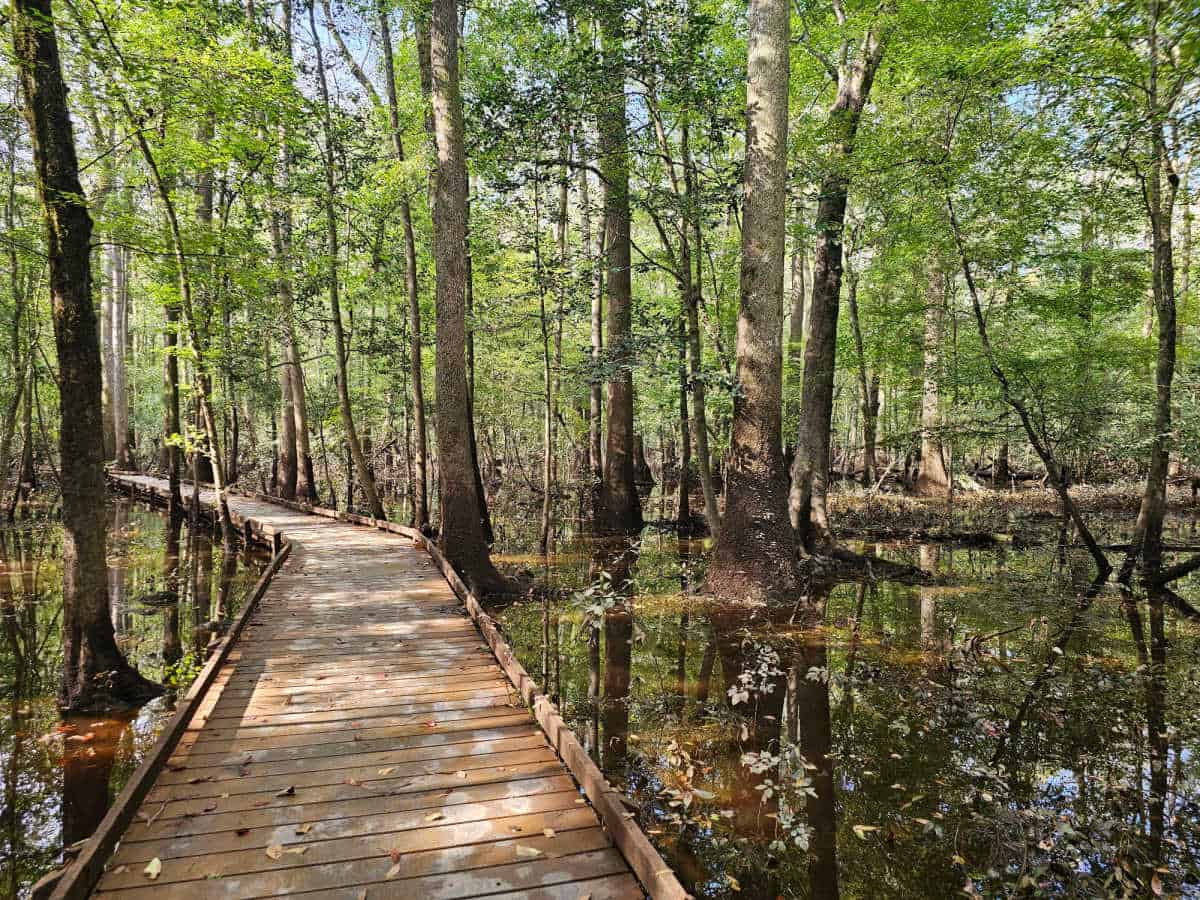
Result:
{"points": [[1009, 731], [58, 777]]}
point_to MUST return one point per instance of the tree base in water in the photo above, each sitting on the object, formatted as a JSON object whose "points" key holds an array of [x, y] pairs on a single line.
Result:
{"points": [[121, 687]]}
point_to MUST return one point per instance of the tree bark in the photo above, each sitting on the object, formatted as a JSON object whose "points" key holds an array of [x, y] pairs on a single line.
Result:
{"points": [[95, 673], [365, 476], [932, 477], [420, 487], [123, 452], [755, 553], [795, 346], [810, 468], [868, 386], [462, 535], [618, 508], [1159, 193]]}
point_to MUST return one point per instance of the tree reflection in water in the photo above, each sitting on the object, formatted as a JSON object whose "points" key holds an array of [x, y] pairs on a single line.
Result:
{"points": [[1003, 731]]}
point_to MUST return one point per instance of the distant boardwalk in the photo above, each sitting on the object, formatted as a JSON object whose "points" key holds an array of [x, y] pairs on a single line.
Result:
{"points": [[362, 740]]}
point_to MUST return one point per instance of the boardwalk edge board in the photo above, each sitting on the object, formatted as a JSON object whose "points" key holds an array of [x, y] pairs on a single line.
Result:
{"points": [[80, 877], [656, 877]]}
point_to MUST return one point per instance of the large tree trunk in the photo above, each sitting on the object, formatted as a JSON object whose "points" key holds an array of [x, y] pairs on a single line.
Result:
{"points": [[618, 508], [365, 477], [755, 554], [810, 468], [95, 673], [932, 477], [420, 486], [462, 535]]}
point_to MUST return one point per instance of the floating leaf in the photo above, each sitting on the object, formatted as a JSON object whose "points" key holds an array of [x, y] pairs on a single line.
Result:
{"points": [[153, 868]]}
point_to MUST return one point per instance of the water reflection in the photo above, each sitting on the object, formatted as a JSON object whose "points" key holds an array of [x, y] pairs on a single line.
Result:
{"points": [[1006, 730], [58, 777]]}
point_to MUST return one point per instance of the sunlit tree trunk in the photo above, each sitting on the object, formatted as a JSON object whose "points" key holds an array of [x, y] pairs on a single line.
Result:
{"points": [[95, 672], [932, 477], [755, 553], [462, 535], [619, 509], [810, 467], [420, 477], [365, 477]]}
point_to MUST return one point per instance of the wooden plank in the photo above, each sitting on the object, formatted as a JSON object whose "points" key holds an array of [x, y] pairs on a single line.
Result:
{"points": [[375, 870]]}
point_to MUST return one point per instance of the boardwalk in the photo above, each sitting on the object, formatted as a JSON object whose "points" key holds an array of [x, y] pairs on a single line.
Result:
{"points": [[362, 741]]}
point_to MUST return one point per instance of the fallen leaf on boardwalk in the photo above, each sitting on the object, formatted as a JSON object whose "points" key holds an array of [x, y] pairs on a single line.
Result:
{"points": [[299, 851], [210, 807], [585, 897], [580, 801], [525, 852], [242, 832], [175, 767], [289, 791], [388, 771], [225, 796], [434, 816], [200, 780], [304, 829], [275, 851], [461, 774], [431, 724], [548, 832], [354, 781], [393, 871], [153, 868], [119, 869]]}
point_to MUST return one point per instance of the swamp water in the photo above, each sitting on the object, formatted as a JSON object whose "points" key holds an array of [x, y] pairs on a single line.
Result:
{"points": [[168, 592], [1007, 731]]}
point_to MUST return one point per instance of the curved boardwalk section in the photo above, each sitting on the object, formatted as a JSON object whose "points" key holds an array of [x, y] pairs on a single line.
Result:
{"points": [[361, 740]]}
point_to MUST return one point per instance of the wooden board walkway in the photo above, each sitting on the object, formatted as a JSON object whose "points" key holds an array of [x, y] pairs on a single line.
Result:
{"points": [[361, 739]]}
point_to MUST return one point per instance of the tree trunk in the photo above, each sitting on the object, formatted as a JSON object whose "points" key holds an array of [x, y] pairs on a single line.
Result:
{"points": [[795, 346], [365, 477], [95, 673], [810, 468], [106, 351], [868, 386], [420, 486], [618, 508], [755, 554], [932, 477], [123, 452], [462, 535], [683, 511], [595, 392], [1160, 204]]}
